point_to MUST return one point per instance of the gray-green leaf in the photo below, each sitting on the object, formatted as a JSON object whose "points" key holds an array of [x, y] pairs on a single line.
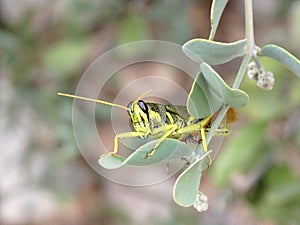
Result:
{"points": [[213, 52], [187, 184], [209, 92], [233, 97], [282, 56], [216, 11], [169, 149], [202, 101]]}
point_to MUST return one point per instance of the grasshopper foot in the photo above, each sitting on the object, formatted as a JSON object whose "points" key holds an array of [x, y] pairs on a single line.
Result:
{"points": [[149, 154], [108, 154]]}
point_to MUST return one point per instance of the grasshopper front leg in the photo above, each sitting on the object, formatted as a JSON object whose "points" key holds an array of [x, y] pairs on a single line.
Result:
{"points": [[124, 135]]}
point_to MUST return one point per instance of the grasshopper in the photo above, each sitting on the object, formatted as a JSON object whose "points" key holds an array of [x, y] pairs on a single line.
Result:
{"points": [[160, 121]]}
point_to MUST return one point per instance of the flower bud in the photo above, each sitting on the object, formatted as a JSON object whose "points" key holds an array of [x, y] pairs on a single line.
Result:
{"points": [[201, 203], [265, 80]]}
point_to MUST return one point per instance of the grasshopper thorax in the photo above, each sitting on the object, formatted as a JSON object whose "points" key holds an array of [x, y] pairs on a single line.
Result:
{"points": [[139, 115]]}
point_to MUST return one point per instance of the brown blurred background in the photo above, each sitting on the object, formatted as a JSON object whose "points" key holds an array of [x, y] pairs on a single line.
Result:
{"points": [[45, 46]]}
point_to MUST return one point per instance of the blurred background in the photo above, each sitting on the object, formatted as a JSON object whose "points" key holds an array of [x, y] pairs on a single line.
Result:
{"points": [[45, 47]]}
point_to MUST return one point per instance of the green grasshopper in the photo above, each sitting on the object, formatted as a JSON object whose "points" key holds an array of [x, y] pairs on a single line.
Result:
{"points": [[161, 121]]}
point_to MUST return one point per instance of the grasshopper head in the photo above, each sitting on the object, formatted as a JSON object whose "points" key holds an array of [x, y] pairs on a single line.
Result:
{"points": [[139, 114]]}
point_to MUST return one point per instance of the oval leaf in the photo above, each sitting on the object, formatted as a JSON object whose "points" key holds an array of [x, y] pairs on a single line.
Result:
{"points": [[216, 11], [109, 161], [233, 97], [212, 52], [169, 149], [187, 184], [282, 56], [202, 101]]}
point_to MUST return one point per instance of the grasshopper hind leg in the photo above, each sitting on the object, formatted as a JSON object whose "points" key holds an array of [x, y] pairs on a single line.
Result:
{"points": [[170, 130]]}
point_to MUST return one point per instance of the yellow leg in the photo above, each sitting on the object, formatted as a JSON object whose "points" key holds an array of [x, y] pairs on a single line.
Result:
{"points": [[169, 130], [195, 127], [123, 135], [205, 144], [198, 127]]}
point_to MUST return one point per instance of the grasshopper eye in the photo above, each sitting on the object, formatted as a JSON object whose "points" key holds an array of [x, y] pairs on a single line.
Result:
{"points": [[129, 106], [143, 106]]}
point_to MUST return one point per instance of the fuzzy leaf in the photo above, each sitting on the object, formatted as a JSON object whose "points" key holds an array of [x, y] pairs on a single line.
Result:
{"points": [[282, 56], [209, 92], [213, 52], [187, 184], [202, 101], [233, 97], [216, 11], [111, 161], [169, 149]]}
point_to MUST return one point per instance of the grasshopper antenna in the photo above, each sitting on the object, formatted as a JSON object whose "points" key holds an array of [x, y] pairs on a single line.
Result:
{"points": [[142, 95], [94, 100]]}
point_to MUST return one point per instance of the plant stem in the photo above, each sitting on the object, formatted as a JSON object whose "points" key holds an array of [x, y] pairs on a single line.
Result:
{"points": [[251, 50], [243, 67], [216, 123], [249, 31], [242, 70], [236, 84]]}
